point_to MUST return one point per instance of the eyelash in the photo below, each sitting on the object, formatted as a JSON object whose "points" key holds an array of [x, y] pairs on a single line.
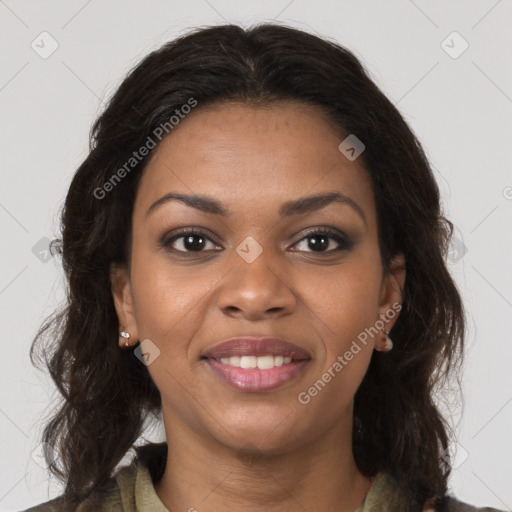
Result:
{"points": [[344, 243]]}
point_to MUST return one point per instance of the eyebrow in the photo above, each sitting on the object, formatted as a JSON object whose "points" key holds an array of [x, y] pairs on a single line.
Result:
{"points": [[298, 206]]}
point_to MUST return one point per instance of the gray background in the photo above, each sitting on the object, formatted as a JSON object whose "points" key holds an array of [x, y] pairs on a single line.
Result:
{"points": [[459, 108]]}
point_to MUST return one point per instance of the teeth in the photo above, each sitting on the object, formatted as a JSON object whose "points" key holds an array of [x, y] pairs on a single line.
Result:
{"points": [[260, 362], [248, 362], [265, 362]]}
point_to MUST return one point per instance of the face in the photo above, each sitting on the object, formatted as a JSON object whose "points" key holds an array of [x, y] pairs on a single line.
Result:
{"points": [[261, 269]]}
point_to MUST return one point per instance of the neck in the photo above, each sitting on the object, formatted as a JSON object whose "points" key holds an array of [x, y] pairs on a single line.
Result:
{"points": [[208, 476]]}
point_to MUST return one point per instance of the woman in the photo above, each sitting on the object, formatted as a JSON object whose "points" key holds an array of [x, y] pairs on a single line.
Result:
{"points": [[254, 248]]}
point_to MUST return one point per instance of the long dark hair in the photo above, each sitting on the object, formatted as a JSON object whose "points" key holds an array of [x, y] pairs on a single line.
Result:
{"points": [[108, 395]]}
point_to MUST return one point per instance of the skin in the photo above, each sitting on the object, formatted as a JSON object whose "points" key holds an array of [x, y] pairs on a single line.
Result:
{"points": [[252, 160]]}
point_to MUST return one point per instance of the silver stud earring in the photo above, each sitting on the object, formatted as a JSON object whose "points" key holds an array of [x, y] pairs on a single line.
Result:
{"points": [[126, 336], [389, 344]]}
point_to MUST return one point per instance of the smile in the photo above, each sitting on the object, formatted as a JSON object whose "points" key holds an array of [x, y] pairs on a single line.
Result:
{"points": [[261, 362], [256, 374], [256, 364]]}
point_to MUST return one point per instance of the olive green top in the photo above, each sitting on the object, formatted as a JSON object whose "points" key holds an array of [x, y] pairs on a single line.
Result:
{"points": [[132, 490]]}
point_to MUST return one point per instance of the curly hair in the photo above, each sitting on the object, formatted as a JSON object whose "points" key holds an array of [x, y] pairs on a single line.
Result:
{"points": [[107, 394]]}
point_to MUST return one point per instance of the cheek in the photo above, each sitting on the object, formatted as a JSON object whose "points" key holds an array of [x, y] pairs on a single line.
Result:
{"points": [[167, 298], [347, 299], [169, 305], [343, 312]]}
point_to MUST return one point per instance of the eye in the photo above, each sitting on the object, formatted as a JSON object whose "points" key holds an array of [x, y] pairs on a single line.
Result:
{"points": [[321, 241], [190, 240]]}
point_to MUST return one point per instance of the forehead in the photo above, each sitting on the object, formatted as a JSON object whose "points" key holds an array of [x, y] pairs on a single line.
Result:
{"points": [[254, 156]]}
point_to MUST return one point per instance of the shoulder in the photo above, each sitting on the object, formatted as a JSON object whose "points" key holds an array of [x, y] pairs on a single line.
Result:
{"points": [[107, 499], [387, 495], [452, 504], [130, 486]]}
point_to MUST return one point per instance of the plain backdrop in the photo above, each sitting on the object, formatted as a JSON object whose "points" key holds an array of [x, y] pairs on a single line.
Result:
{"points": [[457, 99]]}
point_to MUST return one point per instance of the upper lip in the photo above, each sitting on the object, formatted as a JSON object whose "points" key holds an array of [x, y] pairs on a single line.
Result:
{"points": [[250, 346]]}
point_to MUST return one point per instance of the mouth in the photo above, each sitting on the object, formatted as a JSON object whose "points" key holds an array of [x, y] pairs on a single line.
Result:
{"points": [[256, 364], [251, 361]]}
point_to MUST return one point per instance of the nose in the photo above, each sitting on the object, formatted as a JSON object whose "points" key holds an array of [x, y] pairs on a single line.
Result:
{"points": [[257, 289]]}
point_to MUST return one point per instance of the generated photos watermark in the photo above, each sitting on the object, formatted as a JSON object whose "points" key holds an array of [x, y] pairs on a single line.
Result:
{"points": [[304, 397], [137, 156]]}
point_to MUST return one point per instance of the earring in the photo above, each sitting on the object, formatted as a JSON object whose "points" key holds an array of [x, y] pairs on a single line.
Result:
{"points": [[388, 343], [126, 336]]}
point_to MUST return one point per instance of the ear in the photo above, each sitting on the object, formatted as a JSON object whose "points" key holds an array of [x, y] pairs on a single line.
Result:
{"points": [[123, 301], [391, 291]]}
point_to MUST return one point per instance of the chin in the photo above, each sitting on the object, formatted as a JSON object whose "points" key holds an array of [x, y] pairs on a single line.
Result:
{"points": [[263, 432]]}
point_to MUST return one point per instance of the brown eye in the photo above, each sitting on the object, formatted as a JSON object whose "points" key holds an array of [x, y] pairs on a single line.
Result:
{"points": [[322, 241], [189, 241]]}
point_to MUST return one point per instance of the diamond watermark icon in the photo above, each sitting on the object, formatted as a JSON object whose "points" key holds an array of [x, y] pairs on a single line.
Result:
{"points": [[455, 455], [454, 45], [44, 45], [249, 454], [456, 250], [147, 352], [41, 250], [249, 249], [351, 147]]}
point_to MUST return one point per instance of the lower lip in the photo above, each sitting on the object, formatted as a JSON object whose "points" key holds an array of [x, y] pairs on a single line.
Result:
{"points": [[254, 379]]}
